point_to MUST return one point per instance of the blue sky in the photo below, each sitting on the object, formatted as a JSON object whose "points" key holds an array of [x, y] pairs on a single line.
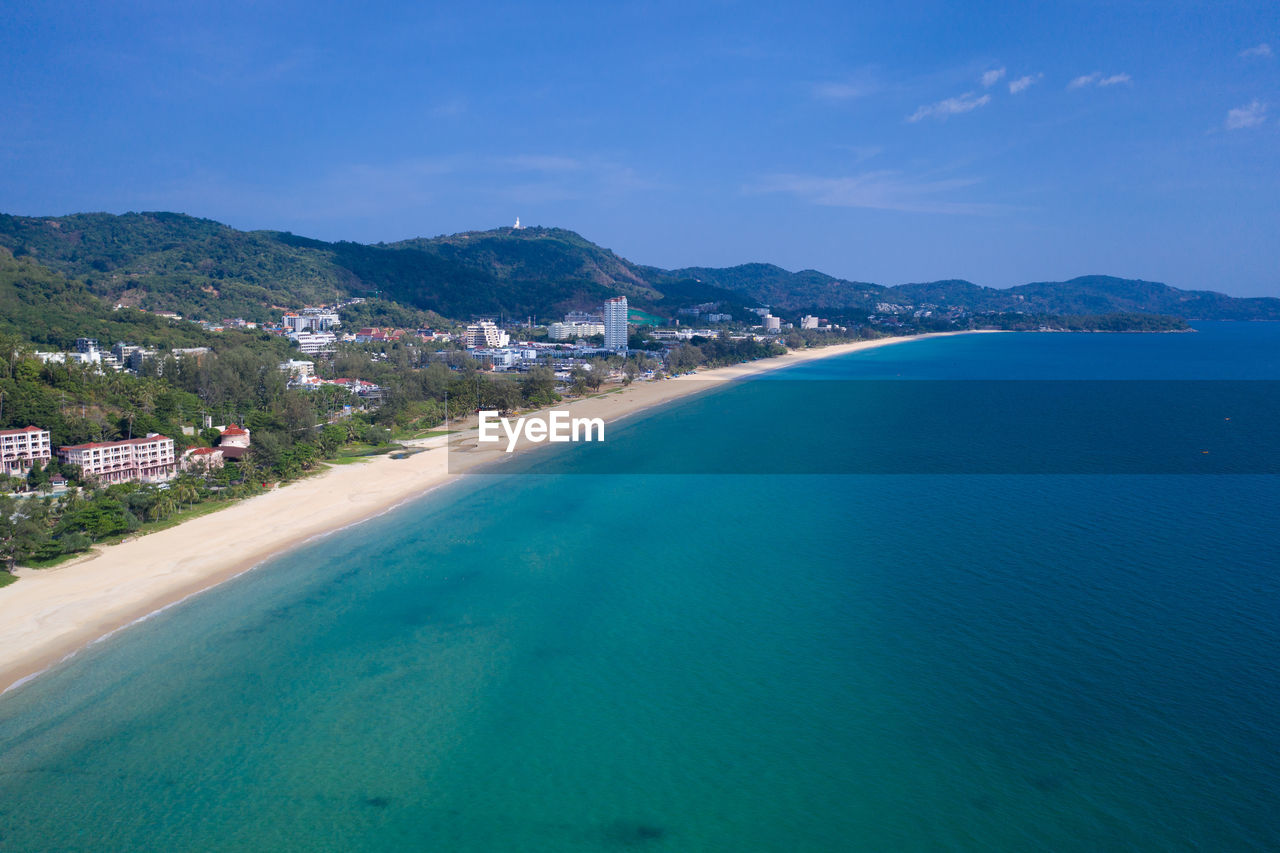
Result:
{"points": [[1001, 143]]}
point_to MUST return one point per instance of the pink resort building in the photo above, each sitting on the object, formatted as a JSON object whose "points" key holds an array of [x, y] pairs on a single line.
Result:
{"points": [[138, 460], [21, 448]]}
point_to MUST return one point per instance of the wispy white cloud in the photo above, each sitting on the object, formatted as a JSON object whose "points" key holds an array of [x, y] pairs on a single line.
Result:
{"points": [[878, 190], [350, 191], [208, 59], [1099, 79], [1022, 84], [1261, 51], [863, 152], [992, 77], [968, 102], [1250, 115], [450, 108], [543, 163], [844, 90], [552, 177]]}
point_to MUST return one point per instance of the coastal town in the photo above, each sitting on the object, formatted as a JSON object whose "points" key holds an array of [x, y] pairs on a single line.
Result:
{"points": [[581, 342], [571, 342], [174, 450], [124, 416], [100, 438], [225, 414], [131, 488]]}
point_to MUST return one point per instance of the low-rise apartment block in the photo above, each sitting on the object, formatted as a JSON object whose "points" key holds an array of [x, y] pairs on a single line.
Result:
{"points": [[315, 343], [136, 460], [565, 331], [310, 320], [485, 334], [22, 448], [298, 368]]}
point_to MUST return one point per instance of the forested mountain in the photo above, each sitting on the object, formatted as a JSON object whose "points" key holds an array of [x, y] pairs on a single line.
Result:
{"points": [[1080, 295], [1086, 295], [533, 271], [771, 285], [169, 261], [1094, 294], [203, 269], [51, 311]]}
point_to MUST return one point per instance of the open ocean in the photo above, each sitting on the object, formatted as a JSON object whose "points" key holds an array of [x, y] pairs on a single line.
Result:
{"points": [[755, 661]]}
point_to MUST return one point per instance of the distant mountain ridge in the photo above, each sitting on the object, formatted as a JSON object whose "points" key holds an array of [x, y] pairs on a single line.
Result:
{"points": [[206, 269], [1091, 294]]}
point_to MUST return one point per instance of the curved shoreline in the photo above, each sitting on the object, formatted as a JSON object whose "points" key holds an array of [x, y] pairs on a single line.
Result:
{"points": [[51, 614]]}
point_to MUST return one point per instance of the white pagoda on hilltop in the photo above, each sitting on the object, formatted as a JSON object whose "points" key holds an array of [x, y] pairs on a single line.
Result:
{"points": [[517, 226]]}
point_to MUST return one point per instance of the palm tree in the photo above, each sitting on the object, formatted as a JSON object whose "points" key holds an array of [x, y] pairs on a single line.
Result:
{"points": [[185, 493], [164, 507], [249, 471]]}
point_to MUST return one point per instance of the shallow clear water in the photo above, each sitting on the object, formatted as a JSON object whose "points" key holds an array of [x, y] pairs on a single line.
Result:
{"points": [[712, 662]]}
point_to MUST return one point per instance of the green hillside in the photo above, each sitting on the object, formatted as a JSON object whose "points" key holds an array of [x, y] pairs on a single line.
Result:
{"points": [[767, 284], [169, 261], [207, 270], [953, 292], [202, 269], [1082, 295], [51, 311], [533, 271], [1095, 294]]}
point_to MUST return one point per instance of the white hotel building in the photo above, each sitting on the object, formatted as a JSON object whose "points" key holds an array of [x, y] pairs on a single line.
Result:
{"points": [[566, 330], [315, 343], [310, 320], [138, 460], [485, 334], [20, 448]]}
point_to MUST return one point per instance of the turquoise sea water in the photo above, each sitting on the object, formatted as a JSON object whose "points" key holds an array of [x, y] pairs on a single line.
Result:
{"points": [[712, 662]]}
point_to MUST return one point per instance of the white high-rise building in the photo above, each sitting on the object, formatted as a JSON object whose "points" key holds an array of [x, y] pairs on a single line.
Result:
{"points": [[615, 323]]}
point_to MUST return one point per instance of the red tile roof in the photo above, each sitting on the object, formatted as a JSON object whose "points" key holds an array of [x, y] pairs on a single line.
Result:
{"points": [[93, 444], [234, 430], [20, 431]]}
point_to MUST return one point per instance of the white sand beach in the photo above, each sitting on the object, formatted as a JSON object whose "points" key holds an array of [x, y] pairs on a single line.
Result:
{"points": [[51, 613]]}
